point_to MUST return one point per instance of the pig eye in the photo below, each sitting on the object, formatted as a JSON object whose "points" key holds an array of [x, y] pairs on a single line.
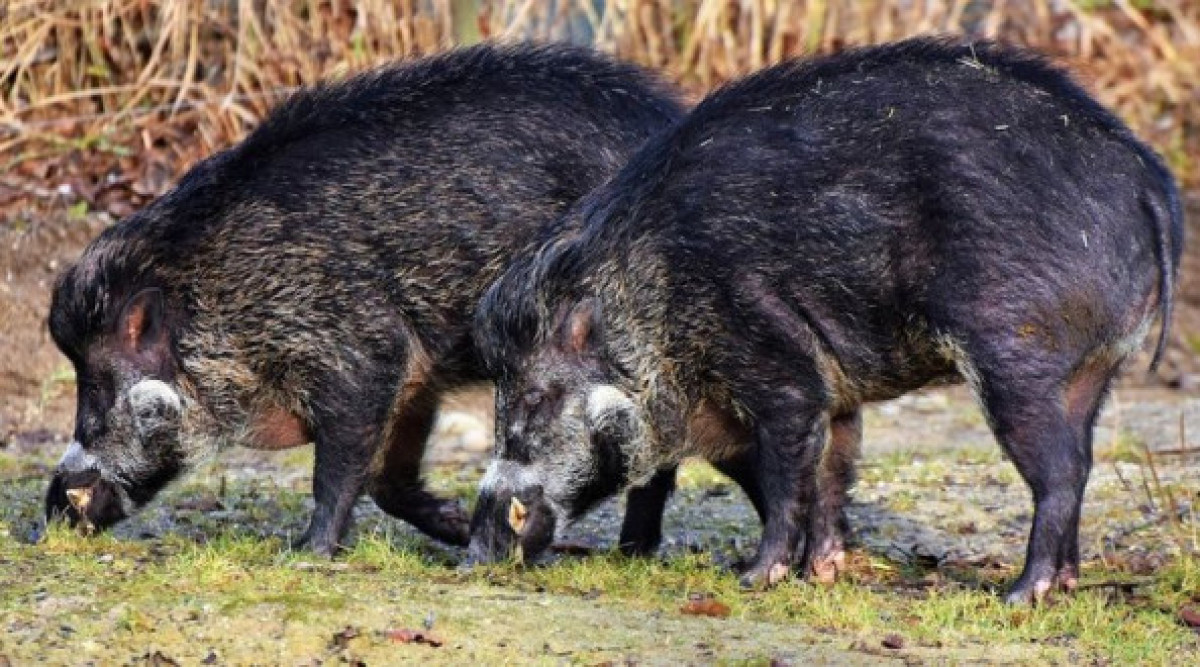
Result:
{"points": [[533, 398], [541, 403]]}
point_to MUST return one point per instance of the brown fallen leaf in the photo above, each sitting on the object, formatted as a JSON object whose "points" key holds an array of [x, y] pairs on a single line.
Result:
{"points": [[1190, 616], [407, 636], [705, 606], [893, 641]]}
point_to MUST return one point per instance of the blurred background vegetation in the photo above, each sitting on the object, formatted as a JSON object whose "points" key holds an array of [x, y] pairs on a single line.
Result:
{"points": [[104, 103], [140, 89]]}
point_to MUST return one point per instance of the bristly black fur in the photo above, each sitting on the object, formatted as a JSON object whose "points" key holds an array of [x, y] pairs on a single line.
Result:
{"points": [[835, 231], [507, 321], [318, 279]]}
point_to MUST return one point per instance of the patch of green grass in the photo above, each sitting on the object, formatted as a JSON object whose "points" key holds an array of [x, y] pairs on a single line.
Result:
{"points": [[12, 465], [1192, 340], [244, 574], [1124, 447], [217, 583], [1092, 622], [78, 210], [923, 468], [61, 380]]}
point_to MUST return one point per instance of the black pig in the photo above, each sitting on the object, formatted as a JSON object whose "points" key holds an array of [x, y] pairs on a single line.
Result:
{"points": [[813, 237], [316, 282]]}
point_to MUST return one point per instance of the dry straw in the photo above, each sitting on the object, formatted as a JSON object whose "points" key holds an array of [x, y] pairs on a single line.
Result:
{"points": [[72, 69]]}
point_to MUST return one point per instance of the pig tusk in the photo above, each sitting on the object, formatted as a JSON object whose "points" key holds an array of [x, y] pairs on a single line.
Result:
{"points": [[516, 515], [79, 499]]}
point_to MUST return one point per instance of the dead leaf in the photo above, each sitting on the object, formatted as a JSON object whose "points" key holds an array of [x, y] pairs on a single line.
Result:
{"points": [[407, 636], [705, 605], [893, 641], [1190, 616]]}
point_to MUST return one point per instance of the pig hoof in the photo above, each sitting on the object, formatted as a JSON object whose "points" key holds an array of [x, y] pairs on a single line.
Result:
{"points": [[1067, 579], [639, 543], [1035, 594], [319, 547], [638, 549], [758, 578], [827, 567], [454, 527]]}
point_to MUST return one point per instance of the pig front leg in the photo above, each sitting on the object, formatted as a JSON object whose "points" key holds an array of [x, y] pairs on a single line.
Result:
{"points": [[343, 456], [641, 532], [790, 436], [396, 486], [825, 545]]}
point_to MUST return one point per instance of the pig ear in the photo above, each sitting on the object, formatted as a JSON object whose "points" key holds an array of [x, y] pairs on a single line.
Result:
{"points": [[582, 329], [141, 325]]}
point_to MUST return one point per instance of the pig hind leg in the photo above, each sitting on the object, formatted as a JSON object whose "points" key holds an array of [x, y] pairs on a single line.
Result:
{"points": [[825, 544], [1082, 398], [1041, 412], [396, 485]]}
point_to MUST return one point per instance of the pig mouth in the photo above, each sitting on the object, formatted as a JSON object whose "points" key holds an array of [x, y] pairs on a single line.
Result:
{"points": [[85, 500], [510, 529]]}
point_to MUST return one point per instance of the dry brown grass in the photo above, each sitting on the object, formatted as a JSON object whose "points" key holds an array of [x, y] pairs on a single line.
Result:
{"points": [[185, 77]]}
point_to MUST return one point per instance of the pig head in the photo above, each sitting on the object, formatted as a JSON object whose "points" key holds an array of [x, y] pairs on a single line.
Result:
{"points": [[128, 413]]}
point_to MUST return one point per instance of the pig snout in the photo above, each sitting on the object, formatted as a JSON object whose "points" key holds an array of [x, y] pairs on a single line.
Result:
{"points": [[84, 499], [511, 525]]}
